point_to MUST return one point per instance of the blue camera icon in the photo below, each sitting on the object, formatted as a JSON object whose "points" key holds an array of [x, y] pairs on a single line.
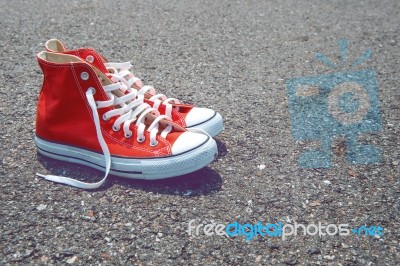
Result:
{"points": [[343, 104]]}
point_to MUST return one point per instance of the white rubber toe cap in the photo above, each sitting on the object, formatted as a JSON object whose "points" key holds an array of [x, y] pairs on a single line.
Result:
{"points": [[188, 141], [198, 115]]}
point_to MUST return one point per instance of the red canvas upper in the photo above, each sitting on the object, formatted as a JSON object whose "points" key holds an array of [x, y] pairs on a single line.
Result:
{"points": [[64, 116], [97, 60]]}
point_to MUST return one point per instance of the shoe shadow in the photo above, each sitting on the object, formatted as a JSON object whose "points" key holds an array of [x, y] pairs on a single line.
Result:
{"points": [[222, 151], [202, 182]]}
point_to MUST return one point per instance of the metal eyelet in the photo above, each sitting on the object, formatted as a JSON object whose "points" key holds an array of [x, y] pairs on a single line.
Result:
{"points": [[140, 140], [129, 135], [90, 58], [115, 129], [84, 76], [93, 90], [105, 118], [154, 144]]}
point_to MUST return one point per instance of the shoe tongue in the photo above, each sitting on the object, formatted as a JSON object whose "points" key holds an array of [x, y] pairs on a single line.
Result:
{"points": [[105, 80]]}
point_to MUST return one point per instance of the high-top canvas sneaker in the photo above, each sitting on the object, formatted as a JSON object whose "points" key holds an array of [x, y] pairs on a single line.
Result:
{"points": [[185, 115], [83, 117]]}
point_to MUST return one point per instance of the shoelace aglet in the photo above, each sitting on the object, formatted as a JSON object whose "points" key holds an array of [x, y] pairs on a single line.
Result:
{"points": [[73, 182], [44, 176], [55, 178], [51, 177]]}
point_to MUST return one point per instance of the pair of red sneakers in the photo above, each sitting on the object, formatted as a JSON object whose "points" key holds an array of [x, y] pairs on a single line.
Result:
{"points": [[97, 113]]}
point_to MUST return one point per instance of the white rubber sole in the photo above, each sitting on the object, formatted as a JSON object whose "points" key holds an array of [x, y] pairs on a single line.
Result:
{"points": [[213, 126], [153, 168]]}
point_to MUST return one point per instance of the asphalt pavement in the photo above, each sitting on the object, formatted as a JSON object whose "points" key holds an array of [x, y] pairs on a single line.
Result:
{"points": [[241, 58]]}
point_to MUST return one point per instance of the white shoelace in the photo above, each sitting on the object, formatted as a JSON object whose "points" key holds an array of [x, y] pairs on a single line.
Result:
{"points": [[120, 72], [131, 106]]}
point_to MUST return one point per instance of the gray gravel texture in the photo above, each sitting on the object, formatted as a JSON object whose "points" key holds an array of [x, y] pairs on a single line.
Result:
{"points": [[234, 57]]}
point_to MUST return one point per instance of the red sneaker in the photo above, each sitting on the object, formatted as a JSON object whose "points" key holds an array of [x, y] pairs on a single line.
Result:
{"points": [[83, 117], [184, 115]]}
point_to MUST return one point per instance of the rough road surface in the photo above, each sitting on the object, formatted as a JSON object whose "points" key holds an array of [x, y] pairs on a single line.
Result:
{"points": [[235, 57]]}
